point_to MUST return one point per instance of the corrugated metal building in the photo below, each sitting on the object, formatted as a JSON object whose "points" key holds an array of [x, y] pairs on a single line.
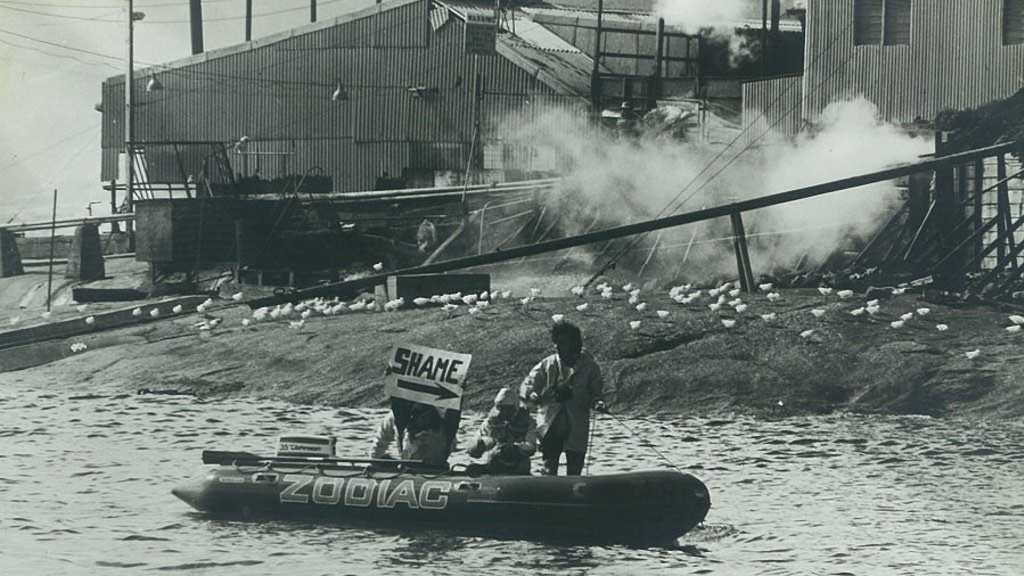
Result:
{"points": [[406, 105], [912, 58]]}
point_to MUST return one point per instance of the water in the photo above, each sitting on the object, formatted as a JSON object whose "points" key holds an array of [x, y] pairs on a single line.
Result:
{"points": [[85, 479]]}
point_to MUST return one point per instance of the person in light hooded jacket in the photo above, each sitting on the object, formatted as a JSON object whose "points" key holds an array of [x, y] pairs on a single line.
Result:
{"points": [[508, 436], [564, 387]]}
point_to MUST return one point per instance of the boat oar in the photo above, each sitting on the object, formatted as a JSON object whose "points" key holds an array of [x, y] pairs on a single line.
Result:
{"points": [[230, 457]]}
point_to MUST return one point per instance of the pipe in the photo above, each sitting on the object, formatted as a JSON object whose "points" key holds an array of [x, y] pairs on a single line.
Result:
{"points": [[195, 13]]}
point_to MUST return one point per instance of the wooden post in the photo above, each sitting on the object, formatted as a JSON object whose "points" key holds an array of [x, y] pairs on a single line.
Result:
{"points": [[742, 257], [976, 216], [53, 233], [1005, 218], [239, 236]]}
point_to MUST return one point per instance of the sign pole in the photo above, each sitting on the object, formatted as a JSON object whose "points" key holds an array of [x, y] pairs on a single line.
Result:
{"points": [[53, 232]]}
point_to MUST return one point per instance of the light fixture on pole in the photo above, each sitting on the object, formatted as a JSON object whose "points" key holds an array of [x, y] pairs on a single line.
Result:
{"points": [[339, 93], [154, 84]]}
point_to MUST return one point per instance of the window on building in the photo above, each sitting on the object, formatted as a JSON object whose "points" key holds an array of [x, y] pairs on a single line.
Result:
{"points": [[879, 22], [897, 22], [1013, 22]]}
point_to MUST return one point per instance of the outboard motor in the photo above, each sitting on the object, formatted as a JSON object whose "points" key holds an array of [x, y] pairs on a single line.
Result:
{"points": [[303, 446]]}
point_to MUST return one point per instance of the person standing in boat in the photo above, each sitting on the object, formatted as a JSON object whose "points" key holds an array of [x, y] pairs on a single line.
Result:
{"points": [[508, 437], [564, 387], [419, 431]]}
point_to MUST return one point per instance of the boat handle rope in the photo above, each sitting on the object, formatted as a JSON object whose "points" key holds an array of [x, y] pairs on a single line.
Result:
{"points": [[643, 442]]}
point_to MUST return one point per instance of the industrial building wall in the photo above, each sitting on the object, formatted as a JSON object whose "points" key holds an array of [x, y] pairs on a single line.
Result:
{"points": [[771, 108], [277, 92], [957, 56]]}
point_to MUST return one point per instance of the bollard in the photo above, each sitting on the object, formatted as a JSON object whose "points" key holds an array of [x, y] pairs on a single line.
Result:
{"points": [[85, 262], [10, 258]]}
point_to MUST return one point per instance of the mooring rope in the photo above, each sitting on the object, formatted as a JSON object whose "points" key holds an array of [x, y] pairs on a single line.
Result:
{"points": [[644, 442]]}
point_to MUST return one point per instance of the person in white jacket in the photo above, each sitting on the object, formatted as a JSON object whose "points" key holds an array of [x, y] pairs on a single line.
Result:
{"points": [[419, 436], [564, 387], [507, 437]]}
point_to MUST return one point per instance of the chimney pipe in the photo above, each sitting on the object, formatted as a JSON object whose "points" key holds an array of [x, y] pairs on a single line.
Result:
{"points": [[248, 20], [312, 10], [196, 20]]}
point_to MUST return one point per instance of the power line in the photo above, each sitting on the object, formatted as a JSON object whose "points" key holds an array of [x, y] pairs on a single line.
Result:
{"points": [[120, 21], [102, 6]]}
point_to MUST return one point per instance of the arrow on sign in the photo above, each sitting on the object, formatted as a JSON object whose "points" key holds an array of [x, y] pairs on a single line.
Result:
{"points": [[441, 392]]}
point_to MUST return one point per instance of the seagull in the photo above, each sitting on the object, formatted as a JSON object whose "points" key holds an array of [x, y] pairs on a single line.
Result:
{"points": [[45, 315], [90, 320], [872, 310], [641, 307], [246, 322], [300, 306], [506, 294], [450, 308], [774, 296], [714, 307], [634, 300], [906, 316], [201, 309], [474, 310], [296, 324], [421, 301], [973, 354], [844, 294], [1013, 329], [526, 301], [818, 312], [857, 311], [557, 318], [379, 266], [725, 287], [735, 303], [338, 308], [307, 314], [576, 290], [807, 333], [137, 312], [734, 292], [469, 299], [1016, 319], [83, 307], [635, 292], [741, 308], [207, 303], [534, 292], [766, 287], [177, 309], [872, 303], [154, 313], [635, 324], [14, 320], [627, 287], [941, 327], [582, 307], [923, 311], [897, 324], [898, 291], [237, 296], [728, 323], [485, 295], [483, 304], [722, 299], [696, 294], [768, 317], [662, 314], [358, 306], [714, 292], [444, 298], [825, 290], [607, 294]]}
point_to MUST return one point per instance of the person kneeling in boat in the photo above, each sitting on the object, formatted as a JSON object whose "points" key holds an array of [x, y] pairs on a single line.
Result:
{"points": [[419, 431], [564, 387], [507, 438]]}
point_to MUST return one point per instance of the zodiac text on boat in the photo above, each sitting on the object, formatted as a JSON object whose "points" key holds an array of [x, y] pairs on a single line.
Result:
{"points": [[365, 492]]}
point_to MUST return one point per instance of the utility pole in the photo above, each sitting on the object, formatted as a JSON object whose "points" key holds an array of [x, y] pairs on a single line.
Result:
{"points": [[129, 104], [595, 75], [53, 234], [764, 38], [248, 20]]}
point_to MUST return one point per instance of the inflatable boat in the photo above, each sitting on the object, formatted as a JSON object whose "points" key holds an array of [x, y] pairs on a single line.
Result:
{"points": [[653, 505]]}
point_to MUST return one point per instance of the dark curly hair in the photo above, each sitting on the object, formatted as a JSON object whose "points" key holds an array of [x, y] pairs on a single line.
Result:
{"points": [[563, 330]]}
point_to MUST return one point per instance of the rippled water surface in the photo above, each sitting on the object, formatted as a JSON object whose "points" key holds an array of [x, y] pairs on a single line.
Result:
{"points": [[85, 483]]}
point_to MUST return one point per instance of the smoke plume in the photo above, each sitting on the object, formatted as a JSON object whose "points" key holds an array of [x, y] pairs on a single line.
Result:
{"points": [[623, 179]]}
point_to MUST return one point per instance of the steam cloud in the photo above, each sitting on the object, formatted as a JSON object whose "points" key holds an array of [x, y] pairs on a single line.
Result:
{"points": [[695, 15], [624, 180]]}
